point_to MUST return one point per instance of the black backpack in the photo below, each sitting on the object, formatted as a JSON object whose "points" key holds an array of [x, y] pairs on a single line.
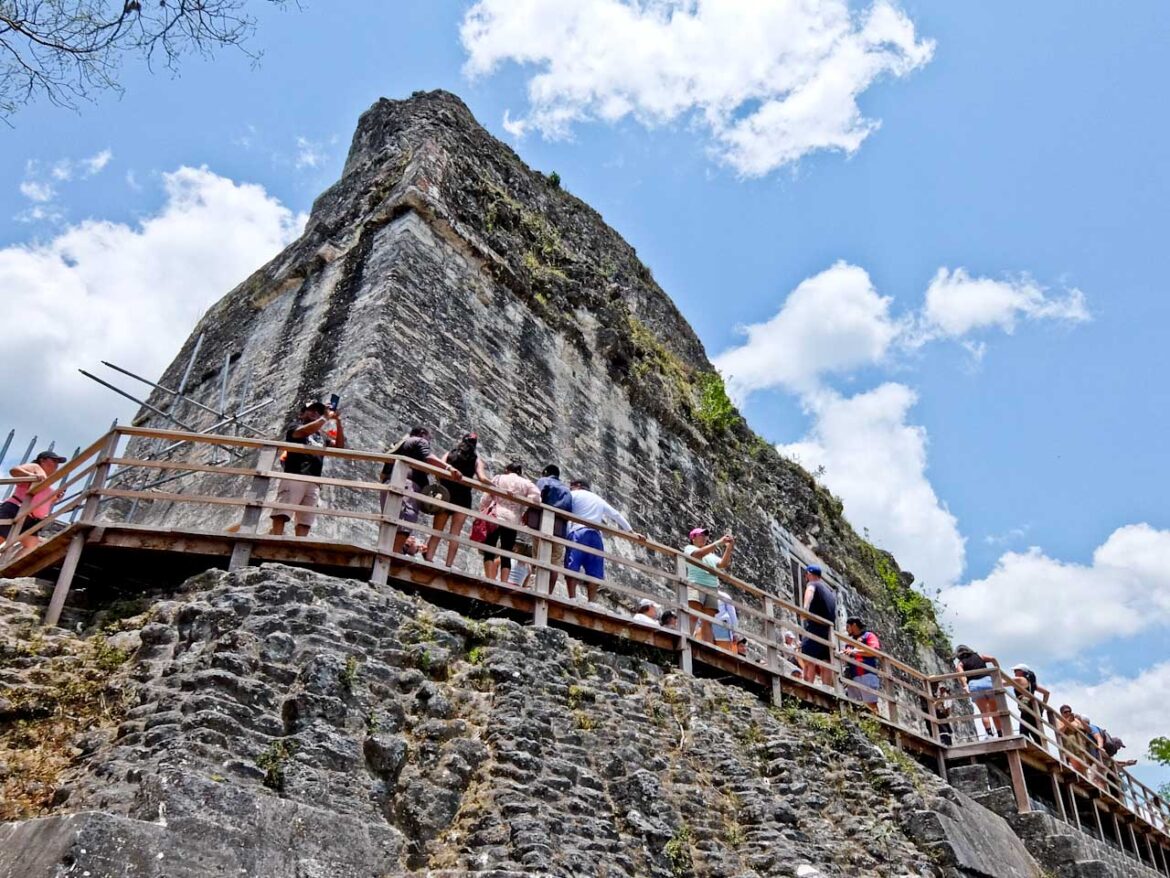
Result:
{"points": [[1113, 745]]}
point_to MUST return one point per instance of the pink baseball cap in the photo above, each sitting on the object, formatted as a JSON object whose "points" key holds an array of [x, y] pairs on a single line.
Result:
{"points": [[695, 531]]}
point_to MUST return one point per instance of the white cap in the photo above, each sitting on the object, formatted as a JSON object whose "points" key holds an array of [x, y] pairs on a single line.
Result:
{"points": [[1022, 667], [645, 604]]}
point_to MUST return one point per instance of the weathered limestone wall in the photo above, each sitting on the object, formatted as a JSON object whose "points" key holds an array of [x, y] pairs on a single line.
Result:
{"points": [[443, 282], [281, 723], [1058, 846]]}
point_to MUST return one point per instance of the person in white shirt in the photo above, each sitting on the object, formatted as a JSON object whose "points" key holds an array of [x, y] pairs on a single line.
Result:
{"points": [[647, 613], [592, 508]]}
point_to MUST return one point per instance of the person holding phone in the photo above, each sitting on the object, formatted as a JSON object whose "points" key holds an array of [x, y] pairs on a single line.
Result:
{"points": [[317, 426]]}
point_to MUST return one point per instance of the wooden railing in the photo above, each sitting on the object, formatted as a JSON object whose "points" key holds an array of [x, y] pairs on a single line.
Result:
{"points": [[1020, 713], [96, 486]]}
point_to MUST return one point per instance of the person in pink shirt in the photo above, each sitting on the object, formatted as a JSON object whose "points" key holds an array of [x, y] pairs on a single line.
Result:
{"points": [[43, 466], [508, 511]]}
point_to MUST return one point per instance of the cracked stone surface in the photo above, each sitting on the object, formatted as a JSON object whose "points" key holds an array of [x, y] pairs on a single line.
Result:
{"points": [[278, 722]]}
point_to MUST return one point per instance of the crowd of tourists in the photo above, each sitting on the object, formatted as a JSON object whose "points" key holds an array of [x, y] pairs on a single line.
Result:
{"points": [[1088, 747]]}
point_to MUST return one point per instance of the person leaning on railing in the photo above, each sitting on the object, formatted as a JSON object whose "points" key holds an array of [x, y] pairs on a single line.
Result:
{"points": [[1073, 731], [594, 509], [1030, 695], [416, 445], [43, 466], [978, 681], [509, 511]]}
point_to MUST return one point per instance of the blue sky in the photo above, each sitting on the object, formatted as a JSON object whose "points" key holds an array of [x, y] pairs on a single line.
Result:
{"points": [[1019, 147]]}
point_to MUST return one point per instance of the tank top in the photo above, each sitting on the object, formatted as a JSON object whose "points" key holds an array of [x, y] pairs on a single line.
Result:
{"points": [[823, 603]]}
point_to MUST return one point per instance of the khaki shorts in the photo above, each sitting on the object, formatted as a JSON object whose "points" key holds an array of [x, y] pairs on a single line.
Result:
{"points": [[297, 494], [558, 555]]}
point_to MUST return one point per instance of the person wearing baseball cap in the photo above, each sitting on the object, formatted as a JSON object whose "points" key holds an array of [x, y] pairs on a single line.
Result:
{"points": [[1029, 694], [703, 585], [316, 426], [43, 466], [647, 613]]}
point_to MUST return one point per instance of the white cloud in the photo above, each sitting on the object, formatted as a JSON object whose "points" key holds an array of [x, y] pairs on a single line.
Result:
{"points": [[37, 191], [771, 80], [1035, 607], [96, 163], [832, 322], [1133, 708], [40, 186], [876, 463], [957, 304], [129, 294], [309, 154]]}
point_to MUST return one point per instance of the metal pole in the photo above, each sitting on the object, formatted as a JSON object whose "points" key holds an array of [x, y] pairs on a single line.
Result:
{"points": [[186, 372], [145, 405], [23, 460], [7, 442], [178, 394]]}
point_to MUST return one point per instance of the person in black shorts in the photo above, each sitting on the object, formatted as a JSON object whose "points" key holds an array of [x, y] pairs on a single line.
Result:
{"points": [[820, 601], [464, 457]]}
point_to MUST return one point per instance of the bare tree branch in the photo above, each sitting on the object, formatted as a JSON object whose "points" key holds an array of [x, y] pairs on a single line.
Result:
{"points": [[67, 51]]}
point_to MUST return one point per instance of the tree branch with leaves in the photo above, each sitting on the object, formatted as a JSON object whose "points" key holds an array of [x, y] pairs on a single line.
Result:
{"points": [[1159, 751]]}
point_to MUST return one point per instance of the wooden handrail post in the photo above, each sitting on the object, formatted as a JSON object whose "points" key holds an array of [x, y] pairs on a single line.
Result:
{"points": [[776, 662], [64, 579], [101, 473], [1058, 795], [543, 574], [257, 493], [890, 689], [685, 621], [1019, 786], [392, 503]]}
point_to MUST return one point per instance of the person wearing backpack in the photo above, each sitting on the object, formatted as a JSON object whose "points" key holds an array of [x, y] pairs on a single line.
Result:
{"points": [[555, 493], [1029, 695], [978, 680], [465, 458], [861, 664], [417, 446]]}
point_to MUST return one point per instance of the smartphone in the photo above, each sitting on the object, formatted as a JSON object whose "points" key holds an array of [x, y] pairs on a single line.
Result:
{"points": [[334, 401]]}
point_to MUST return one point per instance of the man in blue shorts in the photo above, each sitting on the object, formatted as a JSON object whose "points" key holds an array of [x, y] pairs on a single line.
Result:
{"points": [[592, 508]]}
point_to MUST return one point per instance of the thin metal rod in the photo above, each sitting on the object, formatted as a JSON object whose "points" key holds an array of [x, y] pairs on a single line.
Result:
{"points": [[7, 442], [226, 418], [223, 383], [28, 451], [234, 453], [132, 398], [23, 460], [186, 372]]}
